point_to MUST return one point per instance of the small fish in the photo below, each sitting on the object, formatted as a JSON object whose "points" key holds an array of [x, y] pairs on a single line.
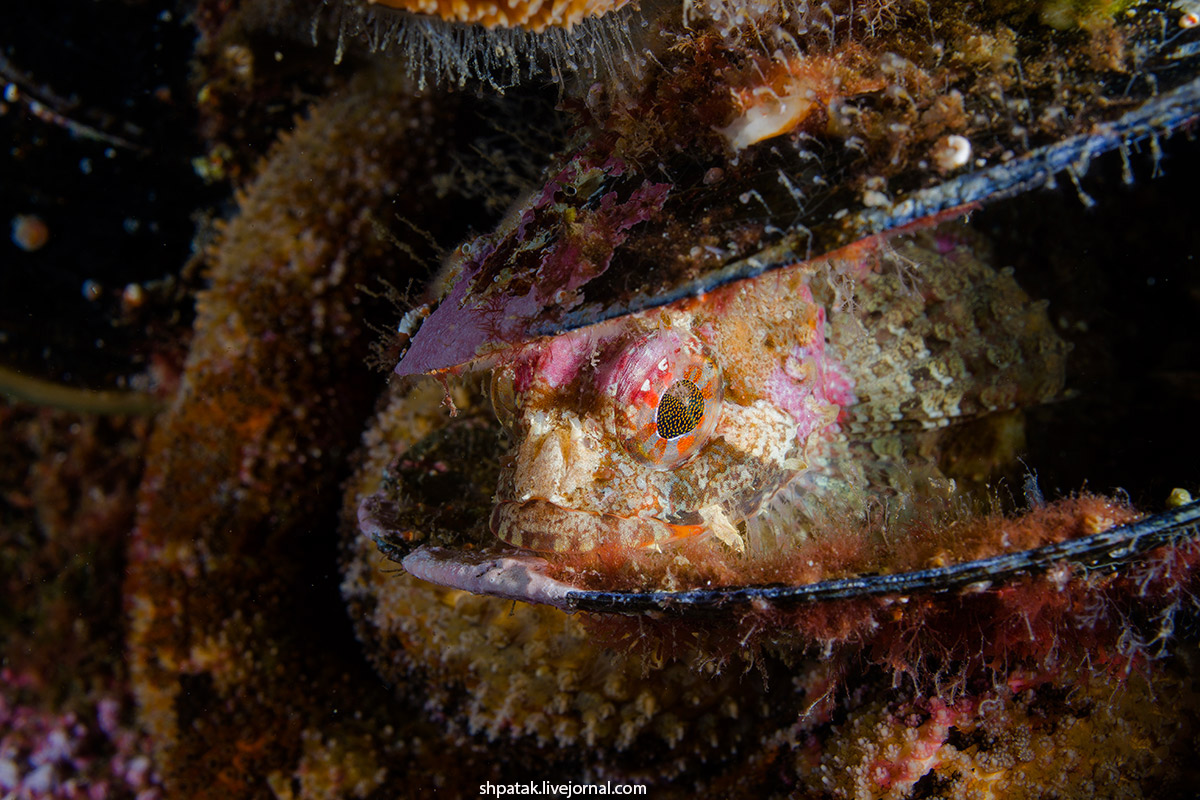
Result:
{"points": [[719, 439], [763, 410]]}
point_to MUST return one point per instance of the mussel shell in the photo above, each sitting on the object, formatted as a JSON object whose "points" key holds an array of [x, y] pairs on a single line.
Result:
{"points": [[526, 281], [518, 577], [608, 235]]}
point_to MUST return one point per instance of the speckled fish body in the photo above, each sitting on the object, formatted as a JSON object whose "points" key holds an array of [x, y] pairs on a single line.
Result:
{"points": [[835, 377], [574, 482]]}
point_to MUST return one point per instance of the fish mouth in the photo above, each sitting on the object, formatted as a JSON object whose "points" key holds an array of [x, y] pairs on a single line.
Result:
{"points": [[544, 526]]}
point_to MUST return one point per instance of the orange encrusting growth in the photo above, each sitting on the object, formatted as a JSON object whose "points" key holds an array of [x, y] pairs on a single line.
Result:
{"points": [[534, 15], [933, 537]]}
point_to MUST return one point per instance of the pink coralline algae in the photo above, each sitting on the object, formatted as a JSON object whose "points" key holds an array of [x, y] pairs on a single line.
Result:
{"points": [[64, 755], [492, 303]]}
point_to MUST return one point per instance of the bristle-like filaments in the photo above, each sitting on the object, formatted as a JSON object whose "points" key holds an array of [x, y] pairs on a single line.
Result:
{"points": [[439, 53]]}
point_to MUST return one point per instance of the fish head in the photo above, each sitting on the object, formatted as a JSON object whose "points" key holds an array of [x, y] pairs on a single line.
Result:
{"points": [[667, 425]]}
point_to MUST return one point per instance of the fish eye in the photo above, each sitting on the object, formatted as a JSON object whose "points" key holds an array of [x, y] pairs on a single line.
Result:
{"points": [[667, 390]]}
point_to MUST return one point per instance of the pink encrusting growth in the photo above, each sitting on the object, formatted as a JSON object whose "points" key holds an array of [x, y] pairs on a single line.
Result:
{"points": [[493, 305], [809, 382], [900, 768], [62, 754], [558, 360]]}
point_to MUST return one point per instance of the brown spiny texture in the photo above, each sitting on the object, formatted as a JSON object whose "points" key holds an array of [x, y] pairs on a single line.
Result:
{"points": [[231, 546]]}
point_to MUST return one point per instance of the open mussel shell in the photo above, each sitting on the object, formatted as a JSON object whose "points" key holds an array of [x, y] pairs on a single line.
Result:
{"points": [[492, 568], [613, 233]]}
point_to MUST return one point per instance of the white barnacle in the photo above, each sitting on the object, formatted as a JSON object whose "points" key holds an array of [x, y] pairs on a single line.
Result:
{"points": [[951, 152]]}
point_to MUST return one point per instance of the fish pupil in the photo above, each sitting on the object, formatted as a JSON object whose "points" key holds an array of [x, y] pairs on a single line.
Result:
{"points": [[680, 410]]}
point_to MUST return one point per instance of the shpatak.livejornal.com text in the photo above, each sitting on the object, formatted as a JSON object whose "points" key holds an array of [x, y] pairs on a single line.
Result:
{"points": [[551, 789]]}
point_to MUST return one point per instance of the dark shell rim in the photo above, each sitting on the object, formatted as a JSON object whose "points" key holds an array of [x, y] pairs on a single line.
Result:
{"points": [[519, 575], [1160, 116]]}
